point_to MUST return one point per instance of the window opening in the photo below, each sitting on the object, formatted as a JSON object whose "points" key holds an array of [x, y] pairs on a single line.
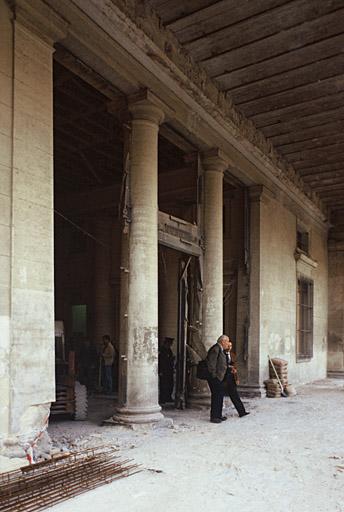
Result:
{"points": [[304, 335]]}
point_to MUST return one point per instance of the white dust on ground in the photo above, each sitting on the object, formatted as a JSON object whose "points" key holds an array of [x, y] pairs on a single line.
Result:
{"points": [[286, 456]]}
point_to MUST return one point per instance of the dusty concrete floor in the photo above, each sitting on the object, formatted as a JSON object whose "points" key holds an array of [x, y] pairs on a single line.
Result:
{"points": [[286, 456]]}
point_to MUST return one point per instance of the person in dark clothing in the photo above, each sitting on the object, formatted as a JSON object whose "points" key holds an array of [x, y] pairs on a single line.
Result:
{"points": [[221, 379], [166, 369], [231, 381]]}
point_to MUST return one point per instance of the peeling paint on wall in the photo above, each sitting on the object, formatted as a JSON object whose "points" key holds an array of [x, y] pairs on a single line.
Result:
{"points": [[145, 345]]}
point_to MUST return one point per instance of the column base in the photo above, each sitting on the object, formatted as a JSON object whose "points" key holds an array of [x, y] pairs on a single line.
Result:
{"points": [[198, 393], [252, 391], [199, 400], [137, 415]]}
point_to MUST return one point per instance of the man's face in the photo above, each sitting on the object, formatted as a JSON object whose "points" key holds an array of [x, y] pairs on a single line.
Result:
{"points": [[225, 344]]}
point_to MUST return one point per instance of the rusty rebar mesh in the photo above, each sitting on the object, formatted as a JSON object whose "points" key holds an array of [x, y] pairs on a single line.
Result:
{"points": [[47, 483]]}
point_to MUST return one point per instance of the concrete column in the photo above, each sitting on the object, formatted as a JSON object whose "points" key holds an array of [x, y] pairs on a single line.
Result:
{"points": [[214, 165], [27, 377], [253, 387], [140, 403]]}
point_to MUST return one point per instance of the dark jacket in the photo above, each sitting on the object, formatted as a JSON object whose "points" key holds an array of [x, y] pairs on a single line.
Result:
{"points": [[217, 362]]}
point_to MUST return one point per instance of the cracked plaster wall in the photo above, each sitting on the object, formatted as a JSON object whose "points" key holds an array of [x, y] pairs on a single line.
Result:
{"points": [[336, 310], [278, 293]]}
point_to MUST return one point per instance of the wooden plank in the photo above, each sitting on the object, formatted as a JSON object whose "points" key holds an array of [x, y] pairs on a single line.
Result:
{"points": [[316, 154], [294, 96], [289, 81], [276, 66], [337, 206], [333, 193], [314, 133], [276, 44], [260, 26], [170, 11], [311, 143], [217, 16], [318, 186], [324, 176], [281, 127], [335, 158], [300, 110], [321, 169], [329, 187]]}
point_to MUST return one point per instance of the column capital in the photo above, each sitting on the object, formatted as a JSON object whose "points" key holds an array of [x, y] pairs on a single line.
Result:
{"points": [[40, 19], [146, 106], [215, 160]]}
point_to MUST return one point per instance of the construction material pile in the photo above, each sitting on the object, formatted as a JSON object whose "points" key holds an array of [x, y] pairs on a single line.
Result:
{"points": [[281, 367], [273, 387], [47, 483]]}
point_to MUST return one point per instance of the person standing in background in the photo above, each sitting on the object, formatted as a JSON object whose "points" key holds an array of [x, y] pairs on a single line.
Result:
{"points": [[108, 354]]}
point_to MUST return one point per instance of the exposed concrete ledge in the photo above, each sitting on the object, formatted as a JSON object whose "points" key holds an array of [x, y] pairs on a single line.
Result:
{"points": [[307, 260], [335, 374], [41, 19], [252, 391]]}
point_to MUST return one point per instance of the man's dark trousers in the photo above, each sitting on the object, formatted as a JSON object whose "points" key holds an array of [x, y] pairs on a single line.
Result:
{"points": [[231, 389], [217, 394]]}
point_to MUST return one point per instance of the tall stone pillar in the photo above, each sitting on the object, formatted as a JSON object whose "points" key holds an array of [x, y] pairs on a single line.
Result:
{"points": [[214, 165], [27, 377], [138, 400], [253, 386]]}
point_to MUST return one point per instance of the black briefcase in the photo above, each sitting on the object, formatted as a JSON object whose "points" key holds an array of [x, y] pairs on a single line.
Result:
{"points": [[202, 371]]}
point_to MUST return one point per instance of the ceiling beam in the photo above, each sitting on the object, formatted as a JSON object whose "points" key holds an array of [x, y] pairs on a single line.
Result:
{"points": [[322, 169], [331, 83], [312, 144], [85, 72], [299, 110], [281, 65], [312, 120], [263, 48], [332, 150], [317, 133]]}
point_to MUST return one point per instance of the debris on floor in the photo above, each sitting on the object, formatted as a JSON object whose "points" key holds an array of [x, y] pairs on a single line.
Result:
{"points": [[64, 476]]}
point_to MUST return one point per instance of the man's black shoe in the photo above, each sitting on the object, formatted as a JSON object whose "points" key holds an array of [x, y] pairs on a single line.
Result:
{"points": [[215, 420], [243, 414], [223, 418]]}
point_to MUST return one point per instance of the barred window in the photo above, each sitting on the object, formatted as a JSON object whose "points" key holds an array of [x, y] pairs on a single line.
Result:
{"points": [[302, 240], [304, 320]]}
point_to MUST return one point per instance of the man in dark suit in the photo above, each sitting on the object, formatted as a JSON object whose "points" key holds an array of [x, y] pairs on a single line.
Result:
{"points": [[221, 377], [231, 380]]}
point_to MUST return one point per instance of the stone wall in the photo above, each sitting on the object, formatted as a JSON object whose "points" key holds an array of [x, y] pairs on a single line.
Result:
{"points": [[336, 297], [278, 291]]}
